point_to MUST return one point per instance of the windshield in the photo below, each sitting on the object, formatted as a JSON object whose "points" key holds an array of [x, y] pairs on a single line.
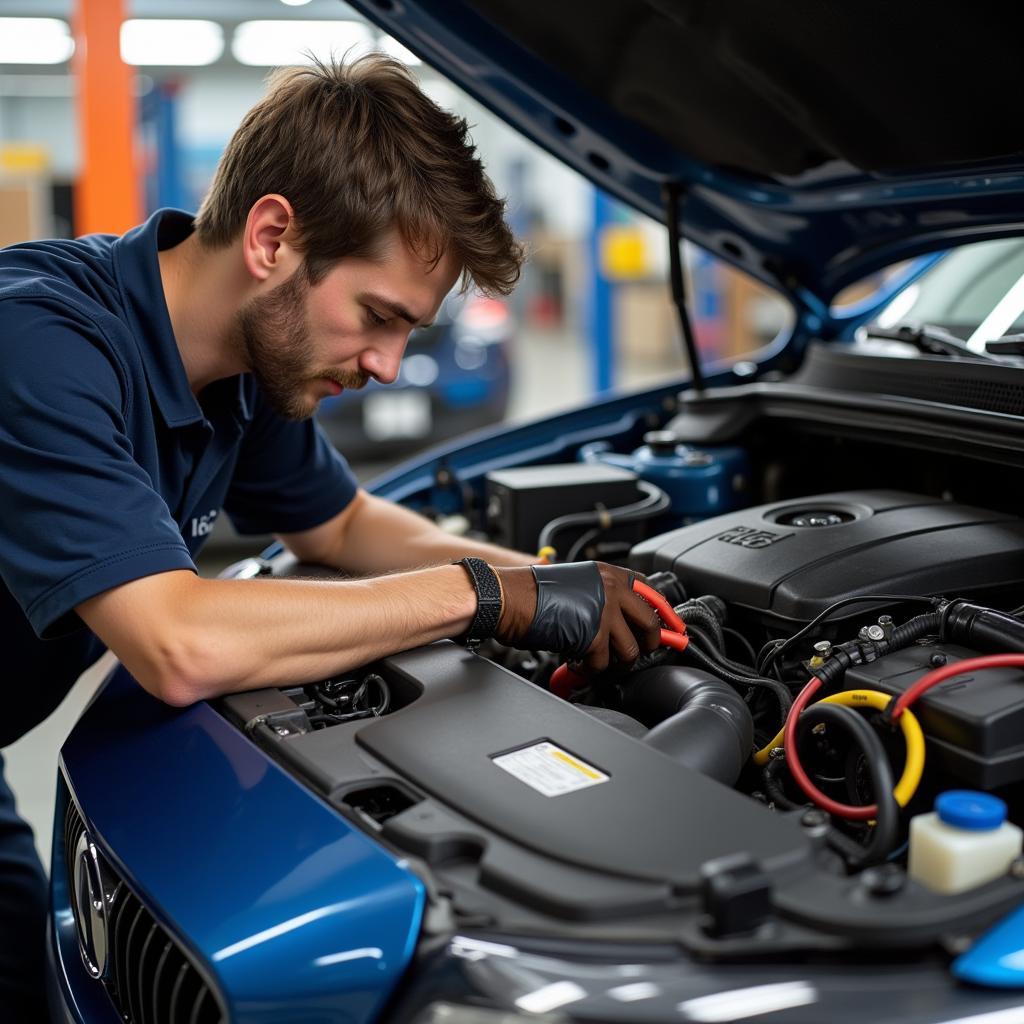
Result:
{"points": [[976, 292]]}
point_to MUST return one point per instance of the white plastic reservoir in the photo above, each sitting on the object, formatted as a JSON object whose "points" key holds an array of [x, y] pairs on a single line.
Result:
{"points": [[965, 842]]}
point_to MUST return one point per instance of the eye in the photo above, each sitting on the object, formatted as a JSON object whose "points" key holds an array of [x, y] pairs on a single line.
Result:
{"points": [[375, 318]]}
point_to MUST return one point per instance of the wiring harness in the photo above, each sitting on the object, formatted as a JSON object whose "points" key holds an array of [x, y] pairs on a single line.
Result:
{"points": [[349, 700], [654, 503]]}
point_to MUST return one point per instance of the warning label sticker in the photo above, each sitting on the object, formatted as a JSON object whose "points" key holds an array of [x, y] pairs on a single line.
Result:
{"points": [[549, 769]]}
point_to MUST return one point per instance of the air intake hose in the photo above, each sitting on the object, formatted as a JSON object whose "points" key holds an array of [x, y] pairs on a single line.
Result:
{"points": [[703, 723], [984, 628]]}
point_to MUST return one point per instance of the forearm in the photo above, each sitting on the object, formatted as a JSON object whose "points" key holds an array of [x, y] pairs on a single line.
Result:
{"points": [[384, 537], [203, 638]]}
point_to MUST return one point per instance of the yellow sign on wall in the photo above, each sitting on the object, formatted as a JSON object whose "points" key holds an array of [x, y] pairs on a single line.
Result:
{"points": [[623, 251], [23, 158]]}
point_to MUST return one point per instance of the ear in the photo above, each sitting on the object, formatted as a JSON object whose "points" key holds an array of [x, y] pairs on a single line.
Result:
{"points": [[267, 240]]}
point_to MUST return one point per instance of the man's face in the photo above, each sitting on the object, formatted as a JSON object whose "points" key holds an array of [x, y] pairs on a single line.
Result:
{"points": [[305, 342]]}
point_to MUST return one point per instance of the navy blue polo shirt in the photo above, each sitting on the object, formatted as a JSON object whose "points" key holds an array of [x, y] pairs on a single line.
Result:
{"points": [[110, 468]]}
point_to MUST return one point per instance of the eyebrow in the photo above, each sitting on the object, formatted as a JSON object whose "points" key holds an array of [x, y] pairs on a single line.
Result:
{"points": [[394, 308]]}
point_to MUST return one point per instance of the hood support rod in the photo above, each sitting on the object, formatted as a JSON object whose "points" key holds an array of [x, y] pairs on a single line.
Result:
{"points": [[675, 195]]}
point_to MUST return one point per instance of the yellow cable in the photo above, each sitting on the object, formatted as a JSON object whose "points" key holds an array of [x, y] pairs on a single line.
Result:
{"points": [[913, 769]]}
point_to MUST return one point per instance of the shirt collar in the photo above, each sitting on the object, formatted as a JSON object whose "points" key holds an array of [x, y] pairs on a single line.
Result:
{"points": [[138, 271]]}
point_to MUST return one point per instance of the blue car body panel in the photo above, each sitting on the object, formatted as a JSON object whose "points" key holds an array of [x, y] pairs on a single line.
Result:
{"points": [[314, 917], [997, 958]]}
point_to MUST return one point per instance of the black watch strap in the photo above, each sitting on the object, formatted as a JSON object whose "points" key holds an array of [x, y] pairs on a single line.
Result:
{"points": [[488, 601]]}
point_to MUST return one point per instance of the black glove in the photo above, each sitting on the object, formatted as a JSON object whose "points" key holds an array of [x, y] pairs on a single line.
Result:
{"points": [[570, 600], [586, 611]]}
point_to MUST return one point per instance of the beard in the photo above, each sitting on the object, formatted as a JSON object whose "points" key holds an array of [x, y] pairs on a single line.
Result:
{"points": [[277, 344]]}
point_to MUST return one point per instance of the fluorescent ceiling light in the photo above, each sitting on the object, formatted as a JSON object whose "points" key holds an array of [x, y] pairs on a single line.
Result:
{"points": [[175, 41], [295, 3], [551, 997], [35, 41], [739, 1003], [394, 48], [273, 43]]}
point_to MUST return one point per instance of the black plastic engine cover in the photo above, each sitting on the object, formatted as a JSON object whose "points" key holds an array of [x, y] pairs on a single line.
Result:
{"points": [[650, 819], [790, 560]]}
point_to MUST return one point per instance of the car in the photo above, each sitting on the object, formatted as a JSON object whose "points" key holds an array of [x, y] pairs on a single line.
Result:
{"points": [[479, 837], [454, 379]]}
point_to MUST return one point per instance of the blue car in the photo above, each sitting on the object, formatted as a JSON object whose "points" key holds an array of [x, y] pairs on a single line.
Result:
{"points": [[457, 837]]}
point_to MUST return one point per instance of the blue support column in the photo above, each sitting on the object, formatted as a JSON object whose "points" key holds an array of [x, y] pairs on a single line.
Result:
{"points": [[170, 179], [600, 304], [165, 180]]}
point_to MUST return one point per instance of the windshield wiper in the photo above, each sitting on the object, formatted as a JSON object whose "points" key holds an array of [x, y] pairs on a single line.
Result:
{"points": [[929, 338], [1007, 345]]}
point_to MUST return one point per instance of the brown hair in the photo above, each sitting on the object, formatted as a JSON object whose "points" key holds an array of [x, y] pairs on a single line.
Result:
{"points": [[358, 149]]}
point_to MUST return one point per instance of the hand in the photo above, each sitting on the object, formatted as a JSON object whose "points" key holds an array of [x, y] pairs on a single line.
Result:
{"points": [[586, 611]]}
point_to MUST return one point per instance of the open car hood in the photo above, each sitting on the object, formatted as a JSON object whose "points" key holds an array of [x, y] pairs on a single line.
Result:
{"points": [[814, 141]]}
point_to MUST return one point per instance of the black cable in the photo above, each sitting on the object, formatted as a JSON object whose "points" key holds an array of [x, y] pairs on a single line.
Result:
{"points": [[716, 667], [697, 614], [780, 647], [357, 705], [854, 652], [777, 642], [727, 664], [773, 785], [577, 549], [382, 706], [656, 502], [742, 641], [886, 830]]}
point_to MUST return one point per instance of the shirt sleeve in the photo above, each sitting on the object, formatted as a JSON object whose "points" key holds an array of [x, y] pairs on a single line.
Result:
{"points": [[78, 514], [288, 476]]}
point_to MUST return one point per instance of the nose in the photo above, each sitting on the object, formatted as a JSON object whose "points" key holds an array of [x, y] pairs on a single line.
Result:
{"points": [[382, 362]]}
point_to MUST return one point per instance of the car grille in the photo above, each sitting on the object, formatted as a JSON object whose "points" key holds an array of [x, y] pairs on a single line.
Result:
{"points": [[148, 976]]}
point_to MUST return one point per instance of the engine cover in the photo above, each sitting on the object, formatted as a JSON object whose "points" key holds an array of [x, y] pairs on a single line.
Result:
{"points": [[788, 561]]}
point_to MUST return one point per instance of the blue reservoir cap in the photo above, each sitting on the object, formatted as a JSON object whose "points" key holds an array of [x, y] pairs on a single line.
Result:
{"points": [[969, 809]]}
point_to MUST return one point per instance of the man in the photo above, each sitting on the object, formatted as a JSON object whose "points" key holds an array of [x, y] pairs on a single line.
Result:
{"points": [[150, 380]]}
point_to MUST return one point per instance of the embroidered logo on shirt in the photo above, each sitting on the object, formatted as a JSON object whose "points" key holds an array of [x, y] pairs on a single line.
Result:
{"points": [[202, 525]]}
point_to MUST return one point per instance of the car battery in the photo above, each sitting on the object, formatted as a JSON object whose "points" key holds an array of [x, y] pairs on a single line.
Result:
{"points": [[520, 502], [973, 723]]}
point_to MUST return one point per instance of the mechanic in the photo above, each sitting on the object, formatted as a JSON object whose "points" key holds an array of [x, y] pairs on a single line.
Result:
{"points": [[150, 380]]}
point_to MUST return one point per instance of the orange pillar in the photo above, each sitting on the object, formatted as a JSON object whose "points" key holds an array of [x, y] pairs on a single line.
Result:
{"points": [[108, 189]]}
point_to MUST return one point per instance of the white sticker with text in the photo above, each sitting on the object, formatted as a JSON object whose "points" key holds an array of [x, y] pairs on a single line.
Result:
{"points": [[549, 769]]}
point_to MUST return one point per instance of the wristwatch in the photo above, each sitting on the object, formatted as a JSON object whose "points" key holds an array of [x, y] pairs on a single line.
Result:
{"points": [[488, 602]]}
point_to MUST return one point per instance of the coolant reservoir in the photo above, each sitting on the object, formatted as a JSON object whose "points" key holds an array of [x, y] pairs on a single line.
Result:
{"points": [[965, 842], [699, 482]]}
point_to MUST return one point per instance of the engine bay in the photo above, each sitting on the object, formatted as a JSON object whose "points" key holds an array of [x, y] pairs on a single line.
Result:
{"points": [[759, 790]]}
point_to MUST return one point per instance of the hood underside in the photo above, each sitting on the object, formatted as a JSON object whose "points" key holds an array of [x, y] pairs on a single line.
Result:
{"points": [[814, 141]]}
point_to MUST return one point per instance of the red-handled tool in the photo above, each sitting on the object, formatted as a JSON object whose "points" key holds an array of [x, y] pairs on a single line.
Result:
{"points": [[563, 680]]}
